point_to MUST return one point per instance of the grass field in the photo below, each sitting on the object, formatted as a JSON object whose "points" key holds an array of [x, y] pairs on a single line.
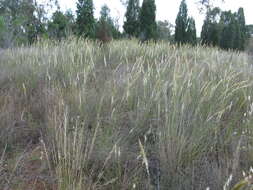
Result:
{"points": [[76, 115]]}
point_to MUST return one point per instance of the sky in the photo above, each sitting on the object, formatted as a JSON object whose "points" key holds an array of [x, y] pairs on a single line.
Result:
{"points": [[167, 9]]}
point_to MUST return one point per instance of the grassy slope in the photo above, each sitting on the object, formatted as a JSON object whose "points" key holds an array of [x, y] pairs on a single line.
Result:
{"points": [[126, 115]]}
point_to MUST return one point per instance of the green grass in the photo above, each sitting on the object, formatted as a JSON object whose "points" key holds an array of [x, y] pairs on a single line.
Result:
{"points": [[130, 115]]}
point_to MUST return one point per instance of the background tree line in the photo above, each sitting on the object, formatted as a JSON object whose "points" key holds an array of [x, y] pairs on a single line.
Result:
{"points": [[26, 21], [225, 29]]}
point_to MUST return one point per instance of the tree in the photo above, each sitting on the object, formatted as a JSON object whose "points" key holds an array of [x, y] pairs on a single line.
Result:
{"points": [[206, 5], [106, 27], [228, 32], [238, 38], [103, 29], [23, 21], [181, 24], [148, 27], [164, 30], [61, 25], [71, 26], [6, 31], [131, 25], [85, 18], [191, 32], [225, 29], [242, 29], [249, 29], [210, 34], [2, 30]]}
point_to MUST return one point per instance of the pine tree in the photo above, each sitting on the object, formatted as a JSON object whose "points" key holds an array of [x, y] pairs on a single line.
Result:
{"points": [[60, 26], [85, 18], [131, 25], [148, 27], [238, 34], [204, 32], [242, 29], [191, 32], [228, 33], [211, 29], [181, 24]]}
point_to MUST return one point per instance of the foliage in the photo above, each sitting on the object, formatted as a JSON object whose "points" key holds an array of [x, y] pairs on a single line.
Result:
{"points": [[228, 30], [2, 28], [210, 34], [131, 25], [249, 30], [224, 29], [148, 26], [23, 21], [234, 32], [181, 24], [106, 27], [85, 18], [242, 29], [191, 32], [185, 30], [164, 30], [61, 25]]}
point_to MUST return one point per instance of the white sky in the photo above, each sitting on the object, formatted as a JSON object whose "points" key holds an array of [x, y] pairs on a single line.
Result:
{"points": [[167, 9]]}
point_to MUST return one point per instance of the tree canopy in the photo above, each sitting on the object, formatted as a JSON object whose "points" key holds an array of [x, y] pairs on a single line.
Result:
{"points": [[85, 18], [225, 29], [148, 27], [23, 22], [61, 26], [211, 28], [185, 30], [131, 25]]}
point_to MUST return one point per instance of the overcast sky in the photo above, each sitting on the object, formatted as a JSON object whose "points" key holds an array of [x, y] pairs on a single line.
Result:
{"points": [[167, 9]]}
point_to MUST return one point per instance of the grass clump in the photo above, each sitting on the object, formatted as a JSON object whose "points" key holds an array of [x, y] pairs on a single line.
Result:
{"points": [[130, 116]]}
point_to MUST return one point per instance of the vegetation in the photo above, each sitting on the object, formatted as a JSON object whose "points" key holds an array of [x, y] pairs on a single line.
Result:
{"points": [[21, 22], [25, 22], [61, 26], [181, 24], [85, 18], [241, 34], [148, 26], [210, 34], [78, 114], [75, 115], [106, 28], [185, 30], [249, 30], [132, 25], [225, 29], [191, 32], [164, 30]]}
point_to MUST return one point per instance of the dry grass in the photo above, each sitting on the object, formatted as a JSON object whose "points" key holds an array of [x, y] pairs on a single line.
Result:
{"points": [[129, 116]]}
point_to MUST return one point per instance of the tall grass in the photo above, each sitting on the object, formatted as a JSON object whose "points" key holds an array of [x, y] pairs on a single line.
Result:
{"points": [[130, 115]]}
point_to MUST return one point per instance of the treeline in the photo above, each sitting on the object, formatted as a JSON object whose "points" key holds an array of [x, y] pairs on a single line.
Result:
{"points": [[225, 29], [25, 21]]}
